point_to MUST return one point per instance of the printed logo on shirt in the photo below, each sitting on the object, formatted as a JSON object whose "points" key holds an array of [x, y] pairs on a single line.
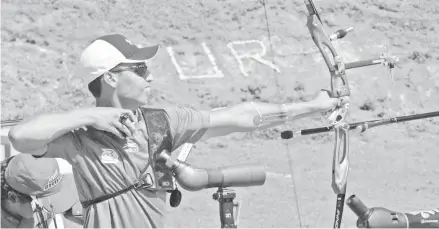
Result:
{"points": [[109, 156], [159, 174], [53, 180], [131, 147]]}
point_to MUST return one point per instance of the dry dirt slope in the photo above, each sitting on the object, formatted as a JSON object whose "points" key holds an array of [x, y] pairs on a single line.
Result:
{"points": [[41, 41]]}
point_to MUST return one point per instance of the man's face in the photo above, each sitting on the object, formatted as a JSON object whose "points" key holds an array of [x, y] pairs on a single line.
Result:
{"points": [[26, 209], [21, 206], [133, 85]]}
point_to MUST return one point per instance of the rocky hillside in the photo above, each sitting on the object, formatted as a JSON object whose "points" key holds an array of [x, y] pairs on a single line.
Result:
{"points": [[42, 41]]}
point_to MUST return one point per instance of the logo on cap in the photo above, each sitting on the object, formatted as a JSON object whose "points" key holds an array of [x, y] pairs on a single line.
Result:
{"points": [[54, 179]]}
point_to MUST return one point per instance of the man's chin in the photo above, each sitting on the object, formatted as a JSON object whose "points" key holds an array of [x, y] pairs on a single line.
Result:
{"points": [[28, 215], [147, 91], [146, 97]]}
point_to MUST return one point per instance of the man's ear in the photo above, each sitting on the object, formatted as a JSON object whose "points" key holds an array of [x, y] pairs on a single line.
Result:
{"points": [[110, 79], [12, 197]]}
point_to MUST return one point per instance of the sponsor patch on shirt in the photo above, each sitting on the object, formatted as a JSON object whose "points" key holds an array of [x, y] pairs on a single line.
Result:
{"points": [[109, 156]]}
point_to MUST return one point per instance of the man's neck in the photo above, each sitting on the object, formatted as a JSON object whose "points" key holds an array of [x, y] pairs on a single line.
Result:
{"points": [[116, 104], [106, 103]]}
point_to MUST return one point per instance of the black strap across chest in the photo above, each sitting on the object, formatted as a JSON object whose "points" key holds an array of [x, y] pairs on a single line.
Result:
{"points": [[159, 139]]}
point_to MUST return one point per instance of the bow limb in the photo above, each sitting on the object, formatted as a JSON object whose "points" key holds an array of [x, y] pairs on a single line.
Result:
{"points": [[340, 169], [340, 163], [336, 66]]}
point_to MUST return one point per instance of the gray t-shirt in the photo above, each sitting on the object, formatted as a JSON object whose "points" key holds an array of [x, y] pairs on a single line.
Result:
{"points": [[96, 175]]}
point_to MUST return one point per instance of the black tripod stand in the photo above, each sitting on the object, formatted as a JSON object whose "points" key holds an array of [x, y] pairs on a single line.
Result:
{"points": [[226, 205]]}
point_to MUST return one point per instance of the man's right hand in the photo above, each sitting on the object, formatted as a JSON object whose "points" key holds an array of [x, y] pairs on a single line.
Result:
{"points": [[110, 119]]}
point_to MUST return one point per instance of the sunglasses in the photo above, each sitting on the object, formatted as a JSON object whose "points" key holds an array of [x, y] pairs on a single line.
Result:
{"points": [[139, 69]]}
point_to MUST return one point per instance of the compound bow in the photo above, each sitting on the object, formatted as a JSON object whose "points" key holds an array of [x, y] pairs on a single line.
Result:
{"points": [[339, 88]]}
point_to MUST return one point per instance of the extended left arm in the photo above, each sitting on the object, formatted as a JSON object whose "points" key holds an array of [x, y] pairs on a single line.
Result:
{"points": [[243, 117]]}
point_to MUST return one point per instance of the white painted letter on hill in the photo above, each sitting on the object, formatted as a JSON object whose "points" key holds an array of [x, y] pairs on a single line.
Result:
{"points": [[218, 73], [256, 56]]}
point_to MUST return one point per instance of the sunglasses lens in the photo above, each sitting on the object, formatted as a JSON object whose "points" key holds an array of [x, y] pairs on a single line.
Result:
{"points": [[142, 71]]}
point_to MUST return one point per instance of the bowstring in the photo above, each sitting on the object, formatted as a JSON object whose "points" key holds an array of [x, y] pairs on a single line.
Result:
{"points": [[290, 165], [267, 26], [290, 160]]}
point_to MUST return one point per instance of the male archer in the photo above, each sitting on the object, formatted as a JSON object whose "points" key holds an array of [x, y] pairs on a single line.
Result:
{"points": [[120, 184]]}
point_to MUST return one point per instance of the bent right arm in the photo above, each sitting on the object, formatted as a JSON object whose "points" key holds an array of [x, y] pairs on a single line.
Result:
{"points": [[33, 135]]}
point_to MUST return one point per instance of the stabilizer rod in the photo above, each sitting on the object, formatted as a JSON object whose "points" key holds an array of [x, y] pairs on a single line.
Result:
{"points": [[360, 126]]}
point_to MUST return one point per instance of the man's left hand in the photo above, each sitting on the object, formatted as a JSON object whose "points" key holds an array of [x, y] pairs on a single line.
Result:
{"points": [[324, 102]]}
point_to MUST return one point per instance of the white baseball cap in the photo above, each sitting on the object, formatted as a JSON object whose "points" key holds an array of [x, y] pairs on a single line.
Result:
{"points": [[107, 52]]}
